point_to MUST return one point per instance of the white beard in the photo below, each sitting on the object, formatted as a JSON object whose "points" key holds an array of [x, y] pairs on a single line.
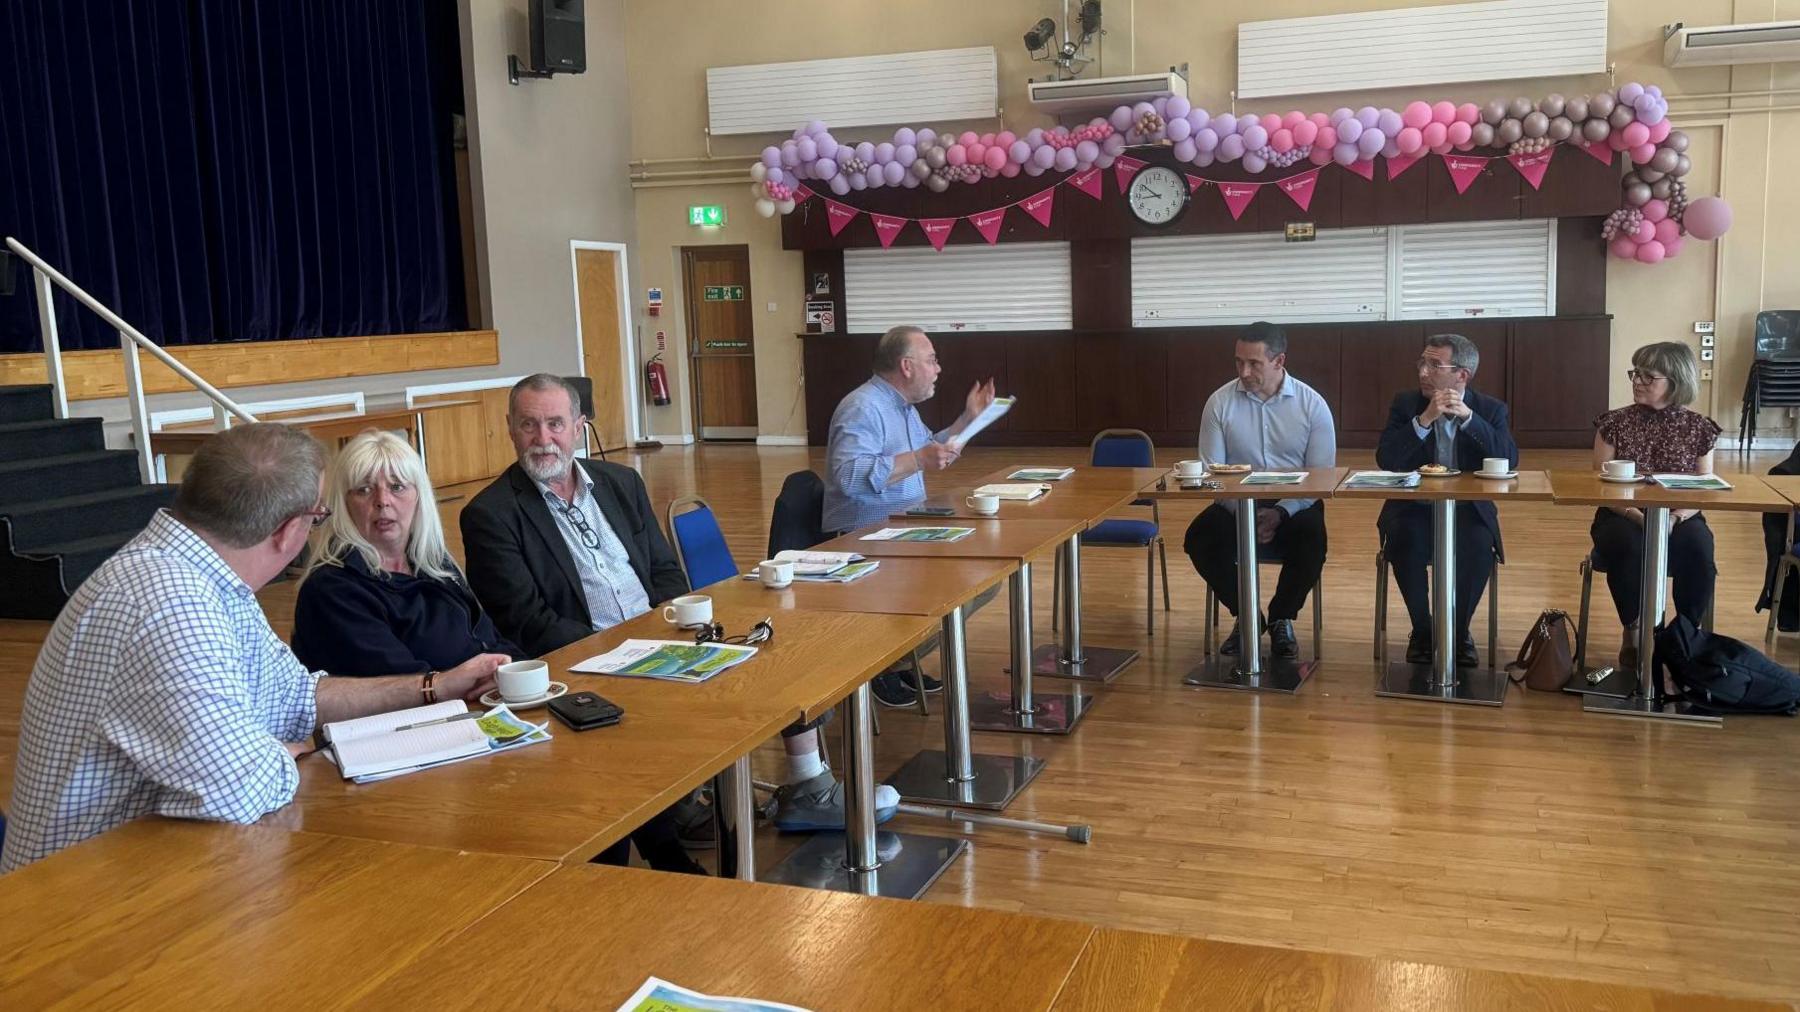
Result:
{"points": [[543, 468]]}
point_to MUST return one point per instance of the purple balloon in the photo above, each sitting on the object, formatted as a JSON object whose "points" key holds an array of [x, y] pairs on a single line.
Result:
{"points": [[1368, 116], [827, 146], [771, 156], [1044, 157], [1065, 159], [807, 148], [816, 127], [1179, 130], [924, 137], [1254, 162], [858, 181], [1349, 130], [1370, 143], [883, 153], [877, 177], [1225, 124], [1231, 148], [1629, 91], [894, 172], [825, 168], [1204, 159], [1160, 105], [1198, 118], [1034, 138], [1142, 109], [864, 151], [1390, 150], [1105, 161], [790, 155], [1120, 118], [839, 185], [1388, 122], [905, 137], [775, 175], [906, 154], [1205, 140], [1113, 146], [909, 181], [1344, 154], [1177, 107], [1184, 150], [1255, 137], [1018, 152], [1087, 151], [1654, 114], [1340, 114], [1032, 168]]}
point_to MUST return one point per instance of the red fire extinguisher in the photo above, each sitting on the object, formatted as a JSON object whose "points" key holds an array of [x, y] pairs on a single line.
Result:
{"points": [[656, 380]]}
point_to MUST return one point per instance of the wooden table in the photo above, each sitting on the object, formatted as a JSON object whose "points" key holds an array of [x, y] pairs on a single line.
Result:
{"points": [[612, 928], [1585, 488], [1133, 970], [1090, 493], [333, 428], [168, 914], [575, 795], [1786, 486]]}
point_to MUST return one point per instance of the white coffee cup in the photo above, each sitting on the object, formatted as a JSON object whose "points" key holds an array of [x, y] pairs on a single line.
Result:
{"points": [[1190, 468], [1619, 468], [522, 680], [775, 575], [1495, 465], [691, 609], [984, 504]]}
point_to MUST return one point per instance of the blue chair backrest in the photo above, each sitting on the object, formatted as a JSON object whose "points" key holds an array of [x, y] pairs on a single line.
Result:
{"points": [[1124, 451], [703, 549]]}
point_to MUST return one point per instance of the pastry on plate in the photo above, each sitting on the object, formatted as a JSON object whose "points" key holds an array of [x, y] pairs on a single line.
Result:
{"points": [[1433, 469], [1230, 468]]}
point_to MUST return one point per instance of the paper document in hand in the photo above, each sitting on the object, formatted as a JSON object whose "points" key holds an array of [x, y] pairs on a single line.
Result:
{"points": [[1017, 492], [920, 534], [669, 660], [1692, 482], [1274, 478], [1382, 479], [658, 995], [1040, 474], [994, 413]]}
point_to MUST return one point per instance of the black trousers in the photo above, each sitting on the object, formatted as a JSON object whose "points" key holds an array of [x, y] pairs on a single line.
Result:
{"points": [[1299, 542], [657, 842], [1619, 544], [1408, 548]]}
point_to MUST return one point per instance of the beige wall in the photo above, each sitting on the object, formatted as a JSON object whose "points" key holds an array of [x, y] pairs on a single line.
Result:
{"points": [[670, 44]]}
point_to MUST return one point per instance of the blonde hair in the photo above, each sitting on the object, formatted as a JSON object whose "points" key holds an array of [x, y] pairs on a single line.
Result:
{"points": [[366, 455], [1674, 360]]}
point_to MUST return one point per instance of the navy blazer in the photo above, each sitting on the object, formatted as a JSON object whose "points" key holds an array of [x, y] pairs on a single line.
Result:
{"points": [[350, 621], [1487, 433], [520, 567]]}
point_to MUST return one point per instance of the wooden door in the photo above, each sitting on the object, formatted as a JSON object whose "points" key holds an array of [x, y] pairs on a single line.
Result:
{"points": [[721, 348], [603, 341]]}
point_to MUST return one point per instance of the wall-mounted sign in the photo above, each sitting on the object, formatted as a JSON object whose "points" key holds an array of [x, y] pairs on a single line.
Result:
{"points": [[653, 302], [821, 317], [728, 344], [723, 293], [710, 215], [1301, 231]]}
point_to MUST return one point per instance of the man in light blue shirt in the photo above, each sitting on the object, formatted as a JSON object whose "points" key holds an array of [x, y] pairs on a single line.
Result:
{"points": [[1270, 420]]}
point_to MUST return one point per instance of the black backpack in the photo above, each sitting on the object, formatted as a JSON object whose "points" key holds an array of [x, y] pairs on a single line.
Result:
{"points": [[1724, 675]]}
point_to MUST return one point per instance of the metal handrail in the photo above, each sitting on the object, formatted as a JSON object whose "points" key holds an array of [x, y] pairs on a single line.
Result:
{"points": [[130, 340]]}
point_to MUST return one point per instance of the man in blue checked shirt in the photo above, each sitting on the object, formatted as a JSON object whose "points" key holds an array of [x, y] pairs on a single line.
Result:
{"points": [[879, 450], [161, 688]]}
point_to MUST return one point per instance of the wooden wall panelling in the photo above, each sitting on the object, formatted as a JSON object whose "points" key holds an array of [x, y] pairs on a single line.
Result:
{"points": [[829, 262], [1275, 209], [456, 440], [1493, 339], [1040, 372], [1119, 380], [1576, 185], [1100, 272], [1208, 215], [1315, 352], [966, 359], [1359, 200], [92, 375], [1558, 379], [1493, 196], [1199, 362], [834, 365], [1017, 225], [1376, 362], [1580, 266], [1402, 201]]}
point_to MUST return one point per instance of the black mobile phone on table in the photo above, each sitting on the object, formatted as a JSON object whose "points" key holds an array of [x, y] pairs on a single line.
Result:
{"points": [[931, 511], [582, 711]]}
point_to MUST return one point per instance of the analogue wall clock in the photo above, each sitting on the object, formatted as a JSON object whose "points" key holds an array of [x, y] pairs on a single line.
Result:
{"points": [[1157, 195]]}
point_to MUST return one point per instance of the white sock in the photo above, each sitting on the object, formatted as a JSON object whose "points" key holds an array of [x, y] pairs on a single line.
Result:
{"points": [[804, 767], [885, 796]]}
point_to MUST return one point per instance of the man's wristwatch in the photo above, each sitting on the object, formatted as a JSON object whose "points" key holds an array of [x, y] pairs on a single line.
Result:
{"points": [[427, 689]]}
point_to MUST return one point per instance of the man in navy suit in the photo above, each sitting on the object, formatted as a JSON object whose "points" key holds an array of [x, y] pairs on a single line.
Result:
{"points": [[1443, 422]]}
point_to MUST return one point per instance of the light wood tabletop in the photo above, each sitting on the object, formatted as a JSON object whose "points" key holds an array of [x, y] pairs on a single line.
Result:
{"points": [[1529, 486], [1134, 970], [1319, 483], [605, 930], [1584, 488], [1786, 486], [1013, 539], [573, 796], [1089, 494], [172, 914], [900, 586]]}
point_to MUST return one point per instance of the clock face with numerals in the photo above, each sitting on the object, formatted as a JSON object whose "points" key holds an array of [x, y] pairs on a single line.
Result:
{"points": [[1157, 195]]}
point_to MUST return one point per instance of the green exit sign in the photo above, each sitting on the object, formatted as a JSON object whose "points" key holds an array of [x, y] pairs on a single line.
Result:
{"points": [[706, 214]]}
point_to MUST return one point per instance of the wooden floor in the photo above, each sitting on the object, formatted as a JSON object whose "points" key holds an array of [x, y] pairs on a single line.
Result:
{"points": [[1533, 838]]}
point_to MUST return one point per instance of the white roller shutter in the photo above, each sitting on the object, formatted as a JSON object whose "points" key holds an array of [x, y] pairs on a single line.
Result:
{"points": [[928, 86], [1476, 269], [1225, 279], [1013, 286]]}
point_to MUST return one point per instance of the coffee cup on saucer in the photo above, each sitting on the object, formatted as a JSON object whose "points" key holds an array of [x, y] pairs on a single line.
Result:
{"points": [[987, 505], [1190, 469], [1495, 465], [522, 681], [1619, 470], [691, 609], [774, 574]]}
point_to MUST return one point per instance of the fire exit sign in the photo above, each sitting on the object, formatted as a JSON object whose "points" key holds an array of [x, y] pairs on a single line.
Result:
{"points": [[724, 293], [706, 214]]}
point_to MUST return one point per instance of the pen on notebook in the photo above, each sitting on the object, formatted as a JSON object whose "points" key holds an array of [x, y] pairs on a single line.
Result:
{"points": [[471, 715]]}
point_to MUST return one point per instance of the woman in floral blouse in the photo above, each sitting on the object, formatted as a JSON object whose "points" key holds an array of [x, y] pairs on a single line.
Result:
{"points": [[1663, 435]]}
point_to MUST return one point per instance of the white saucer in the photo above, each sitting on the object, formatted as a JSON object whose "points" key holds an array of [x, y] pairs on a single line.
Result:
{"points": [[1453, 472], [1192, 477], [1634, 480], [493, 698], [1497, 477]]}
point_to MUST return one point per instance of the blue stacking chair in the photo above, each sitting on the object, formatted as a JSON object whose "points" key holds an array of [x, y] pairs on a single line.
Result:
{"points": [[1127, 448], [699, 543]]}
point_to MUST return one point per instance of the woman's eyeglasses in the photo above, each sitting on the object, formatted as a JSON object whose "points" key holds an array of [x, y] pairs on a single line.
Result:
{"points": [[395, 488], [714, 632], [582, 527], [1643, 376]]}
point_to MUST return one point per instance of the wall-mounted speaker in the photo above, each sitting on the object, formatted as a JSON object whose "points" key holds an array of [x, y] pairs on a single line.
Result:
{"points": [[558, 36]]}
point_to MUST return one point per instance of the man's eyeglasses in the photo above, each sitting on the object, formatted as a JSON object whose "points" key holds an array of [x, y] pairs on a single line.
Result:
{"points": [[582, 527], [714, 632], [318, 516], [1433, 365], [1643, 376]]}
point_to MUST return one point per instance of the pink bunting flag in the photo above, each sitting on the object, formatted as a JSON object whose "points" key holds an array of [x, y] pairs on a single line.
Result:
{"points": [[988, 224], [887, 227], [1400, 163], [1464, 169], [1194, 183], [801, 193], [1238, 196], [1363, 169], [1124, 168], [1040, 206], [1600, 150], [1087, 181], [1533, 166], [937, 230], [1300, 188], [838, 215]]}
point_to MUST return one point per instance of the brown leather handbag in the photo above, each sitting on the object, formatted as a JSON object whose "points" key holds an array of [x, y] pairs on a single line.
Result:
{"points": [[1546, 659]]}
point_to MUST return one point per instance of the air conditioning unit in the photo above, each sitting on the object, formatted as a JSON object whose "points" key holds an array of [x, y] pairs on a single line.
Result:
{"points": [[1102, 94], [1768, 42]]}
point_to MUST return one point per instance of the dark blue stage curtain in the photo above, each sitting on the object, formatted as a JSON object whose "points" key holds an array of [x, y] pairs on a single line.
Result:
{"points": [[232, 170]]}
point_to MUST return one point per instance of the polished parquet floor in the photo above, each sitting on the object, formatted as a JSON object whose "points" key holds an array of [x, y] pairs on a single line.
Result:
{"points": [[1531, 838]]}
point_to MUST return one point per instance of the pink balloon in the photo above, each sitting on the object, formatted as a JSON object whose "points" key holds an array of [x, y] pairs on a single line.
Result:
{"points": [[1327, 139], [968, 137], [1672, 245], [1655, 210], [1651, 252], [1319, 119], [1410, 139], [1468, 113], [956, 154], [1458, 133], [1416, 115], [1624, 247], [977, 153], [1442, 149], [1293, 119], [1636, 135], [1644, 152], [987, 140], [1443, 112], [1270, 122], [1321, 155], [995, 158], [1666, 229], [1305, 132], [1646, 231], [1282, 140], [1437, 134], [1660, 133], [1707, 219], [1009, 170], [1005, 138]]}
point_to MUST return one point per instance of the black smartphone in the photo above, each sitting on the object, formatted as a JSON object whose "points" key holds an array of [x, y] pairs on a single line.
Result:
{"points": [[931, 511], [582, 711]]}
